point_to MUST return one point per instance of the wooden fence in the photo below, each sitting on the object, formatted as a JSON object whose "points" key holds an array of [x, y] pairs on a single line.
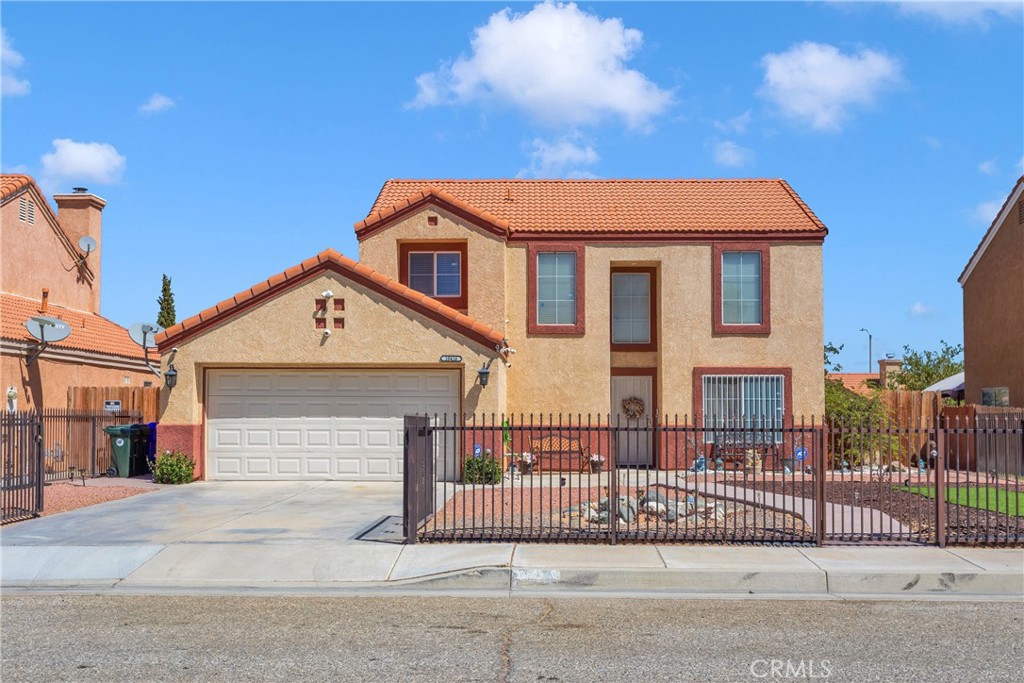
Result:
{"points": [[143, 400]]}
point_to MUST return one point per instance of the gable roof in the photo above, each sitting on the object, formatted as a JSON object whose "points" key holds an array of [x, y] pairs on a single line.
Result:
{"points": [[13, 185], [89, 331], [331, 260], [1002, 216], [612, 207]]}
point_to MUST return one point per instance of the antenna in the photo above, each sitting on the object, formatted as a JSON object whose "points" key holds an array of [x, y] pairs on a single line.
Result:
{"points": [[46, 330], [88, 245], [144, 334]]}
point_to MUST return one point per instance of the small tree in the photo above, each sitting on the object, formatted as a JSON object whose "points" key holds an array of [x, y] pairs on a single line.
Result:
{"points": [[166, 317], [921, 369], [846, 408]]}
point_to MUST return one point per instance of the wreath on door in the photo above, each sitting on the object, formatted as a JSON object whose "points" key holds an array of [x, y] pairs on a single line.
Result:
{"points": [[633, 407]]}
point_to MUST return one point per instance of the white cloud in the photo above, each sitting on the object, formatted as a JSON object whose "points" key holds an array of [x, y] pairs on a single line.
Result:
{"points": [[987, 167], [560, 159], [985, 212], [1020, 165], [728, 153], [156, 103], [81, 162], [557, 63], [921, 310], [932, 141], [977, 13], [737, 124], [817, 84], [11, 85]]}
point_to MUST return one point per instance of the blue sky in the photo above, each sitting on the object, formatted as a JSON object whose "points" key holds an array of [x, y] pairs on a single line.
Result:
{"points": [[233, 140]]}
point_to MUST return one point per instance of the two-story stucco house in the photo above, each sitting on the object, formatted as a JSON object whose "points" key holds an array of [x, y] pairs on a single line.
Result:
{"points": [[45, 273], [699, 297]]}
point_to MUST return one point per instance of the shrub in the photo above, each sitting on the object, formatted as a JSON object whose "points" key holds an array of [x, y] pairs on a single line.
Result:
{"points": [[173, 467], [485, 470]]}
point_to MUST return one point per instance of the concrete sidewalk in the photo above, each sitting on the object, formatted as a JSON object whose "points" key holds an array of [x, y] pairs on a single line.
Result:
{"points": [[309, 537], [650, 571]]}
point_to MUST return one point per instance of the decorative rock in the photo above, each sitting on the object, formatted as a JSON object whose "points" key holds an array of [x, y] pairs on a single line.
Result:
{"points": [[626, 513], [656, 497], [671, 516], [655, 508], [603, 505], [602, 517]]}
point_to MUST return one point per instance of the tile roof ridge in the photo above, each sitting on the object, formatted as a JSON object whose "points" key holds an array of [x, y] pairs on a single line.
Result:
{"points": [[322, 260], [52, 304], [429, 189], [992, 226], [431, 181]]}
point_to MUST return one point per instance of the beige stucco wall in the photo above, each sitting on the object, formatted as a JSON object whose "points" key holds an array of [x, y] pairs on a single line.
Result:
{"points": [[280, 333], [994, 316], [33, 258], [572, 373], [485, 253]]}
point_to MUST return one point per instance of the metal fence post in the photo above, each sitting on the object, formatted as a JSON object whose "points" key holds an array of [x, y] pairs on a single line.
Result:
{"points": [[93, 456], [819, 485], [940, 484], [410, 503]]}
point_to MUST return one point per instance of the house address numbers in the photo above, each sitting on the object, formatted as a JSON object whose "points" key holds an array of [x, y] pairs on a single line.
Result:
{"points": [[451, 359]]}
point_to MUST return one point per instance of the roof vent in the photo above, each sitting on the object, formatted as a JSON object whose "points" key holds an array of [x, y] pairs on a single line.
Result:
{"points": [[79, 190], [508, 194]]}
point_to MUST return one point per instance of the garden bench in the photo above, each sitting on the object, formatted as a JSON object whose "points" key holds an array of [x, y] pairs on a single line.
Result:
{"points": [[560, 450], [736, 456]]}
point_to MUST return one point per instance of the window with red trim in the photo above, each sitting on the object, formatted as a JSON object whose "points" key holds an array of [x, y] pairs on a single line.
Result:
{"points": [[437, 269], [555, 288], [741, 289]]}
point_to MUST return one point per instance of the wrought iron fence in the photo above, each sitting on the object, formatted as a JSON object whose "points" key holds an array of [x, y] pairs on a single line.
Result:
{"points": [[586, 479], [22, 462], [51, 445]]}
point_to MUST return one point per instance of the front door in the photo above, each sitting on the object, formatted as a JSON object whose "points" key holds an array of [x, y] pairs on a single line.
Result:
{"points": [[633, 406]]}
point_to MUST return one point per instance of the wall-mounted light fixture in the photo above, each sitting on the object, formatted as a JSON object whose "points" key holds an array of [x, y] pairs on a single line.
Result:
{"points": [[327, 294], [171, 376], [483, 374]]}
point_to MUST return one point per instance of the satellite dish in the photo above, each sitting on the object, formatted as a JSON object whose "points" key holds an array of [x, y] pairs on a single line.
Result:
{"points": [[48, 330], [144, 334], [87, 244]]}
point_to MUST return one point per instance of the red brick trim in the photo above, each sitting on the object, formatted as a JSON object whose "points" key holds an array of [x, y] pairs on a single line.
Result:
{"points": [[698, 387], [653, 274], [532, 251], [405, 248], [719, 327], [186, 438]]}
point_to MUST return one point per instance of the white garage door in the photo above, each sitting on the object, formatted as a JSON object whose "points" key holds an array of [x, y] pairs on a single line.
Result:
{"points": [[322, 424]]}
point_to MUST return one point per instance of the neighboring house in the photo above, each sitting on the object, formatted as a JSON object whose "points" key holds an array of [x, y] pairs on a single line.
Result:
{"points": [[993, 284], [703, 298], [867, 383], [44, 273]]}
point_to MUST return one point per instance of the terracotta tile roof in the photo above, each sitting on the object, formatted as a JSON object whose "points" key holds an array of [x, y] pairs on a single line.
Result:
{"points": [[10, 183], [863, 383], [346, 267], [89, 331], [501, 225], [614, 206]]}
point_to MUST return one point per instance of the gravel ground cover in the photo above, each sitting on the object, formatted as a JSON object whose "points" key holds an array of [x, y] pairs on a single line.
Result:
{"points": [[588, 512], [64, 497]]}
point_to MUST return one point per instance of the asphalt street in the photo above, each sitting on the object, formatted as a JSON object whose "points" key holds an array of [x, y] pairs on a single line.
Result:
{"points": [[69, 637]]}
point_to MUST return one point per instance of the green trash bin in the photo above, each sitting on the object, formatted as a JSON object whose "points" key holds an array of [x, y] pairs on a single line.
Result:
{"points": [[120, 448]]}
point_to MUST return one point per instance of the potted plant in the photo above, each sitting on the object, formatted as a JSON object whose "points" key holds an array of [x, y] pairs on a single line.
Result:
{"points": [[526, 462], [596, 462]]}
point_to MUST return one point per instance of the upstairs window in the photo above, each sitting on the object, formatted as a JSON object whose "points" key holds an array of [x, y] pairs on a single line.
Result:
{"points": [[633, 309], [437, 269], [741, 288], [556, 288], [436, 273]]}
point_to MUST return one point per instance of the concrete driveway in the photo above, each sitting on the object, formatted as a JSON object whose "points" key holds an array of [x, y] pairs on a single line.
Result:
{"points": [[211, 532]]}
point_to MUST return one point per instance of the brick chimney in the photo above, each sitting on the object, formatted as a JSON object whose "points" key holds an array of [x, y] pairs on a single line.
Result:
{"points": [[80, 214], [888, 365]]}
